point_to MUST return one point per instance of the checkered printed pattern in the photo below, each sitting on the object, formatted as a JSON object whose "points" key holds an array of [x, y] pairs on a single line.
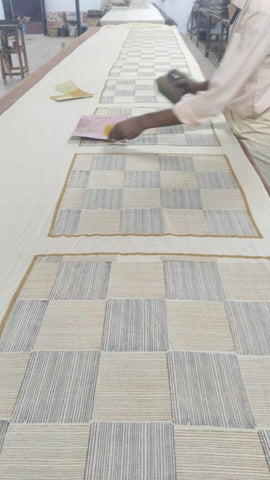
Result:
{"points": [[131, 91], [146, 68], [147, 54], [152, 194], [175, 135], [137, 367]]}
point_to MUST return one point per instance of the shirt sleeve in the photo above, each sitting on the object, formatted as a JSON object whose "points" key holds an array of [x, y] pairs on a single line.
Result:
{"points": [[246, 51]]}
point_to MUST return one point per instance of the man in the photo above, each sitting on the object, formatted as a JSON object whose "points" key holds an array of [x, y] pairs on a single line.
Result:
{"points": [[241, 84]]}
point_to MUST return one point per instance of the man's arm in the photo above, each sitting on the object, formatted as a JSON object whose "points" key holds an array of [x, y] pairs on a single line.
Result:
{"points": [[134, 126]]}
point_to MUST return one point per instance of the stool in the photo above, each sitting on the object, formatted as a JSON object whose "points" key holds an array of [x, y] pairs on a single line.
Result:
{"points": [[12, 43]]}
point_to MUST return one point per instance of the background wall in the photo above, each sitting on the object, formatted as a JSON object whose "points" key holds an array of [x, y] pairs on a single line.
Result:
{"points": [[69, 5], [178, 10], [2, 16]]}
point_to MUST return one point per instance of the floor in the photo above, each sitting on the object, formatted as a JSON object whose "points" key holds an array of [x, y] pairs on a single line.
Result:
{"points": [[39, 49], [42, 48]]}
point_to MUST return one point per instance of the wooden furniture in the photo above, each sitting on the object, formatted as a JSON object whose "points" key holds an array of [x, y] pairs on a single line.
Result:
{"points": [[13, 55], [210, 32]]}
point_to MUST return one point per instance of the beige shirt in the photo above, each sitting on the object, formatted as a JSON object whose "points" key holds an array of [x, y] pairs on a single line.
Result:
{"points": [[242, 80]]}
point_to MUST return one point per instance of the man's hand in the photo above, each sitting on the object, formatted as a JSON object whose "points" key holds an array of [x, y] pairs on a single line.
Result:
{"points": [[189, 85], [134, 126], [127, 129]]}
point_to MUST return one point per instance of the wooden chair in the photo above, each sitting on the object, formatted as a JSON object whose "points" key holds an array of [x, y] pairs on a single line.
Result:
{"points": [[12, 44]]}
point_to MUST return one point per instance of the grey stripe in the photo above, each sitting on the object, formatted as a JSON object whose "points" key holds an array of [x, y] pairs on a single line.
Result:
{"points": [[183, 199], [216, 180], [81, 281], [23, 326], [207, 389], [109, 162], [49, 259], [135, 325], [193, 281], [177, 163], [142, 179], [176, 129], [78, 179], [250, 324], [143, 221], [144, 99], [3, 431], [58, 387], [201, 138], [106, 198], [227, 222], [265, 440], [145, 139], [67, 222], [131, 451]]}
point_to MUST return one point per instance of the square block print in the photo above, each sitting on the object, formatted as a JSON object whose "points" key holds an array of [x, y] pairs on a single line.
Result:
{"points": [[256, 376], [143, 451], [132, 387], [250, 324], [246, 280], [198, 326], [187, 280], [207, 389], [135, 325], [12, 370], [3, 431], [23, 323], [139, 194], [137, 280], [41, 451], [265, 439], [54, 389], [81, 281], [131, 91], [219, 455], [72, 325]]}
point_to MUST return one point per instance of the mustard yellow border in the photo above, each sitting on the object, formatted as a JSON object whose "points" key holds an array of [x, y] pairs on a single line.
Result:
{"points": [[57, 208], [161, 254]]}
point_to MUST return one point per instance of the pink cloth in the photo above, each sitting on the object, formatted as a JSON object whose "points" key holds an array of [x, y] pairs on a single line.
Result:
{"points": [[242, 80]]}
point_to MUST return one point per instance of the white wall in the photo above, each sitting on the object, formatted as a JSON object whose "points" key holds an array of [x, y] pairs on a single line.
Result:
{"points": [[2, 16], [69, 5], [178, 10]]}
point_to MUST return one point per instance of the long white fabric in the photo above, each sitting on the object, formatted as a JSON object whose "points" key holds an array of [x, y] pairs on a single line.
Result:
{"points": [[36, 153]]}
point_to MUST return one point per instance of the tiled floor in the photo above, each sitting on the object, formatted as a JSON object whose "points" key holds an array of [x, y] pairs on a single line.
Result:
{"points": [[39, 50]]}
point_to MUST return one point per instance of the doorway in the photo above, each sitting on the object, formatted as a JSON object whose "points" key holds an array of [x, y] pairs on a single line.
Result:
{"points": [[32, 9]]}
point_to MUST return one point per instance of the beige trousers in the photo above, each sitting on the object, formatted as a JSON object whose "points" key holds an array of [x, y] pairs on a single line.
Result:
{"points": [[255, 134]]}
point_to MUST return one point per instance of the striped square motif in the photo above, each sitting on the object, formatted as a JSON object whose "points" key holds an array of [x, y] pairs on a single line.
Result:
{"points": [[132, 387], [141, 451], [81, 281], [135, 325], [12, 370], [187, 280], [207, 389], [32, 452], [219, 455], [250, 324], [3, 430], [55, 390], [23, 326]]}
